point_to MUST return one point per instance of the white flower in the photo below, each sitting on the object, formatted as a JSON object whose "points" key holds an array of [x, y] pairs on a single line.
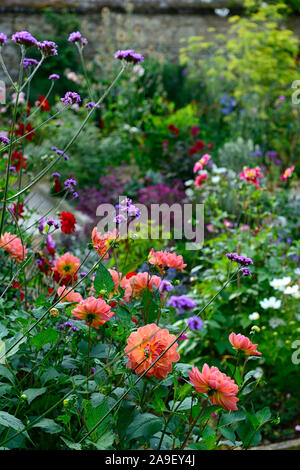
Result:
{"points": [[219, 170], [215, 179], [254, 316], [274, 322], [272, 302], [292, 290], [297, 271], [280, 284], [189, 192], [138, 70]]}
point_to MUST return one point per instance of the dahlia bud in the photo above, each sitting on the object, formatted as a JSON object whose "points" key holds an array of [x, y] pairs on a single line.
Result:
{"points": [[255, 328], [23, 396], [66, 403], [54, 312], [103, 291]]}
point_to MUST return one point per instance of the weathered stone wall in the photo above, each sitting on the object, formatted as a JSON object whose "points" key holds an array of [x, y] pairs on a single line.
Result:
{"points": [[156, 24]]}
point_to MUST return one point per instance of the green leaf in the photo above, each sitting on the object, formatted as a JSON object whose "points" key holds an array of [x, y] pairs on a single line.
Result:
{"points": [[33, 393], [48, 425], [71, 445], [5, 372], [103, 280], [144, 426], [106, 440], [228, 434], [124, 316], [10, 421], [3, 331], [94, 415], [49, 375], [44, 337], [263, 416], [231, 418]]}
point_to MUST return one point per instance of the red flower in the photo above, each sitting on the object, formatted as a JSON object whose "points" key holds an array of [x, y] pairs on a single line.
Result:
{"points": [[42, 103], [57, 185], [199, 145], [20, 210], [174, 129], [68, 222], [22, 130], [17, 160], [17, 285], [129, 275]]}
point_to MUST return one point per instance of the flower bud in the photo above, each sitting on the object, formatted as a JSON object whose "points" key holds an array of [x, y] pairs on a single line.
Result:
{"points": [[255, 328], [54, 312], [23, 396]]}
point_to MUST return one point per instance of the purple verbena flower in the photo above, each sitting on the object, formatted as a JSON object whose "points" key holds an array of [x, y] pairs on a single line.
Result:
{"points": [[70, 183], [54, 76], [3, 39], [24, 38], [75, 36], [246, 272], [129, 55], [56, 175], [48, 48], [29, 62], [4, 140], [71, 98], [165, 286], [195, 323], [91, 104], [181, 303]]}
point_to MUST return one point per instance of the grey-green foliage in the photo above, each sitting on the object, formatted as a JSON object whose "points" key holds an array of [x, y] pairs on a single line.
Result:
{"points": [[236, 155], [91, 152]]}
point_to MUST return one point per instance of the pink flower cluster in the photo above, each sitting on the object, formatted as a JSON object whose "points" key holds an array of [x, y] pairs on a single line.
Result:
{"points": [[13, 245], [251, 175], [163, 259], [287, 173], [222, 389]]}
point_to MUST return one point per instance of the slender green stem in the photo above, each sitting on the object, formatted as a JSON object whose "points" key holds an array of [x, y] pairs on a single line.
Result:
{"points": [[10, 143]]}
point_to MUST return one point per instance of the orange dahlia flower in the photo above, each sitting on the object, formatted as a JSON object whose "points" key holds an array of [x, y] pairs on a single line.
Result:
{"points": [[94, 311], [102, 242], [137, 284], [222, 389], [244, 344], [13, 245], [65, 268], [145, 345], [69, 295], [165, 259]]}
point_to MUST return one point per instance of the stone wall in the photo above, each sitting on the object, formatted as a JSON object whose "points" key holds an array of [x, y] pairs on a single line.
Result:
{"points": [[151, 24]]}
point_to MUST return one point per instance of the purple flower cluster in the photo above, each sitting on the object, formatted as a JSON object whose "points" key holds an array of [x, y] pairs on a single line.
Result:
{"points": [[3, 39], [242, 260], [76, 36], [126, 210], [29, 62], [129, 55], [272, 155], [160, 193], [246, 272], [70, 186], [4, 140], [91, 104], [195, 323], [24, 38], [54, 76], [165, 286], [60, 152], [50, 222], [181, 303], [47, 48], [71, 98], [68, 324]]}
